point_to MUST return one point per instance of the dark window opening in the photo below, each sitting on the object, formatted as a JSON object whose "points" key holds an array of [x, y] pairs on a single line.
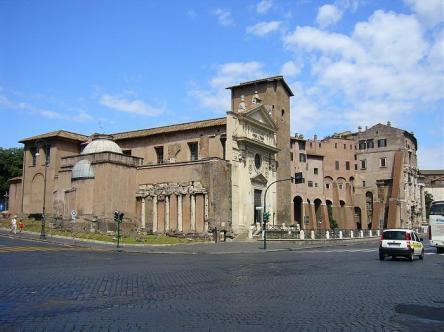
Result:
{"points": [[363, 164], [194, 150], [302, 157], [127, 152], [301, 145], [382, 143], [337, 165], [47, 154], [310, 183], [347, 165], [362, 145], [370, 144], [159, 154], [315, 171], [382, 162], [33, 151]]}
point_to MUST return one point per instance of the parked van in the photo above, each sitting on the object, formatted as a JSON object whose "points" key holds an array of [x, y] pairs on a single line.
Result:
{"points": [[436, 225]]}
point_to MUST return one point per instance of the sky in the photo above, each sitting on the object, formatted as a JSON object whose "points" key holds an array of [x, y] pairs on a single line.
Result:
{"points": [[112, 65]]}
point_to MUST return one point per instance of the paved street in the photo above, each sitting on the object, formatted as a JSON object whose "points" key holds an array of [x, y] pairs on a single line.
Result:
{"points": [[344, 288]]}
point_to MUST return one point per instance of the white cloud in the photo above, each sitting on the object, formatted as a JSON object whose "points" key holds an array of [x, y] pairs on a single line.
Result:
{"points": [[264, 6], [431, 12], [290, 68], [263, 28], [216, 97], [431, 157], [135, 106], [388, 67], [24, 106], [224, 17], [328, 15]]}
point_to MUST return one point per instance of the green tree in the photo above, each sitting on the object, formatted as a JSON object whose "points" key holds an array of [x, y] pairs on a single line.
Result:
{"points": [[428, 197], [11, 161]]}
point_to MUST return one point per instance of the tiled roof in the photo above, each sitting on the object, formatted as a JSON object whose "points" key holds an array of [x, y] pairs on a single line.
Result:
{"points": [[267, 79], [172, 128], [57, 133]]}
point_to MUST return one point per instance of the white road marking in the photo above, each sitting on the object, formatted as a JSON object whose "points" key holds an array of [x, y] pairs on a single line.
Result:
{"points": [[338, 250]]}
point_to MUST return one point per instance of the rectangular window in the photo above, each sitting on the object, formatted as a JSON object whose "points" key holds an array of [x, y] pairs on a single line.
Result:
{"points": [[363, 184], [159, 154], [340, 186], [356, 167], [363, 164], [356, 157], [337, 165], [336, 145], [382, 162], [370, 144], [302, 145], [194, 150], [315, 171], [310, 183], [291, 156], [347, 165], [33, 151], [327, 185], [302, 158], [382, 143], [351, 147], [319, 144], [47, 154], [316, 184], [345, 146], [362, 145]]}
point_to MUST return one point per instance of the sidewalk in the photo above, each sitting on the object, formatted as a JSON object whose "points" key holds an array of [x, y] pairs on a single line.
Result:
{"points": [[211, 248]]}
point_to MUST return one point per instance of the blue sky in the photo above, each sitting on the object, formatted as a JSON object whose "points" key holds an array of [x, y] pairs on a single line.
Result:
{"points": [[110, 66]]}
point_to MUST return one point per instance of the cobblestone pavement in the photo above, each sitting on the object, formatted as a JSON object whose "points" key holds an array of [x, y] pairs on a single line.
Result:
{"points": [[331, 289]]}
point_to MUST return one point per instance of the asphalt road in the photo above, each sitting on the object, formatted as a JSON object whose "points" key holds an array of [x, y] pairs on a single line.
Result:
{"points": [[59, 288]]}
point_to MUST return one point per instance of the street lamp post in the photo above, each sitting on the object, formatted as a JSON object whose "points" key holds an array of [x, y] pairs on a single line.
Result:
{"points": [[266, 216], [46, 147]]}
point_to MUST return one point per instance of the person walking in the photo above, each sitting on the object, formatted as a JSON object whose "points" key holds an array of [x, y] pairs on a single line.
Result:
{"points": [[21, 225], [14, 224]]}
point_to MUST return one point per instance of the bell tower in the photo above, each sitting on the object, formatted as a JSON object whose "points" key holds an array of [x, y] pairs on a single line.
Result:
{"points": [[274, 94]]}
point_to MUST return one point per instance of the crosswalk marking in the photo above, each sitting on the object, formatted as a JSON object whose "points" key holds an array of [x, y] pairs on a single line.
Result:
{"points": [[14, 249]]}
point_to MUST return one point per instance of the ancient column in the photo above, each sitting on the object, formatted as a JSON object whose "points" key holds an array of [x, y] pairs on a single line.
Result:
{"points": [[179, 213], [154, 214], [193, 213], [142, 217], [167, 213]]}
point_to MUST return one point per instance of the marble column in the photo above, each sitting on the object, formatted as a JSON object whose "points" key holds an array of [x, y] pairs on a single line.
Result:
{"points": [[154, 214], [179, 213], [142, 217], [167, 213], [193, 213]]}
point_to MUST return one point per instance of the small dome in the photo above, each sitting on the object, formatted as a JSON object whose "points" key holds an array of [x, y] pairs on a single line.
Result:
{"points": [[101, 143], [82, 170]]}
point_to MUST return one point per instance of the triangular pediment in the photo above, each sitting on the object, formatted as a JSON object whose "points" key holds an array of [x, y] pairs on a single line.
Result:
{"points": [[260, 179], [260, 116]]}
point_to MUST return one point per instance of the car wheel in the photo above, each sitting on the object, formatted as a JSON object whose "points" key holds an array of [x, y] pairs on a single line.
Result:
{"points": [[422, 254], [381, 256], [439, 250], [411, 257]]}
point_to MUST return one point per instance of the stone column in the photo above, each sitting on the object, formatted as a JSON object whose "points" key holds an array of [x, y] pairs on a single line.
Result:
{"points": [[179, 213], [193, 213], [206, 213], [142, 216], [154, 214], [167, 213]]}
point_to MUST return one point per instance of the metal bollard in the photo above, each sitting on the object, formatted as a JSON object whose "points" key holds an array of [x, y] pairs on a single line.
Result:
{"points": [[361, 234], [370, 233], [351, 234], [302, 235], [327, 235], [312, 233]]}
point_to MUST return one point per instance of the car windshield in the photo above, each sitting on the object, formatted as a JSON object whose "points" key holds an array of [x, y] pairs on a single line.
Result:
{"points": [[394, 235], [437, 209]]}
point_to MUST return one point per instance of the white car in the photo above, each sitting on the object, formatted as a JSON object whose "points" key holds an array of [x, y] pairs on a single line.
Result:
{"points": [[401, 242]]}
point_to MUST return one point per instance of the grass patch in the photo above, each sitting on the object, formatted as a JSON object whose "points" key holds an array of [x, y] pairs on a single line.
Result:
{"points": [[35, 226]]}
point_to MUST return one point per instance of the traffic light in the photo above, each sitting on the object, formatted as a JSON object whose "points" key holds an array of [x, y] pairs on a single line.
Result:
{"points": [[118, 216], [266, 217], [121, 214]]}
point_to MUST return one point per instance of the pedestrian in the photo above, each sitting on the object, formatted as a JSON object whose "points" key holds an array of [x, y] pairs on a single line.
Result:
{"points": [[21, 225], [14, 224]]}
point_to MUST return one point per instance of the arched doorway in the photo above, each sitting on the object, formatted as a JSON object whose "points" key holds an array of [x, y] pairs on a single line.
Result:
{"points": [[369, 206], [297, 201], [318, 211], [358, 220]]}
